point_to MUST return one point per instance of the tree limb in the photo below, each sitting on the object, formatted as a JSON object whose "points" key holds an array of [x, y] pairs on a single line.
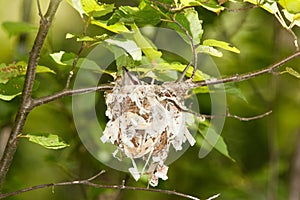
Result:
{"points": [[68, 92], [213, 81], [88, 182], [248, 75], [26, 99]]}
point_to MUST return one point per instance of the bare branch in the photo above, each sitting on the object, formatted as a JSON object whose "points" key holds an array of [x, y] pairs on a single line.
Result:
{"points": [[249, 75], [75, 61], [88, 182], [68, 92], [249, 118], [26, 99]]}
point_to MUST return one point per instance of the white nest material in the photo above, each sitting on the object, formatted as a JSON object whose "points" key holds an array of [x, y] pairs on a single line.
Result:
{"points": [[144, 121]]}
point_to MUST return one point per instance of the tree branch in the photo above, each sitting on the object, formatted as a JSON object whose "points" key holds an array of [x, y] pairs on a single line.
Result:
{"points": [[26, 99], [88, 182], [68, 92], [249, 75], [213, 81], [248, 118]]}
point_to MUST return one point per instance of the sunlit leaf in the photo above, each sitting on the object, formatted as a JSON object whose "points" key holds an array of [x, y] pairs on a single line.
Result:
{"points": [[293, 18], [48, 141], [190, 21], [80, 38], [147, 46], [8, 97], [57, 57], [292, 72], [292, 6], [201, 90], [165, 71], [220, 44], [14, 28], [209, 50], [128, 45], [91, 7], [95, 8], [115, 28], [268, 6], [207, 4], [76, 4]]}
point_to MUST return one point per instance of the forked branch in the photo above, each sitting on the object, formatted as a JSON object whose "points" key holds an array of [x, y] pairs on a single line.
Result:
{"points": [[25, 105]]}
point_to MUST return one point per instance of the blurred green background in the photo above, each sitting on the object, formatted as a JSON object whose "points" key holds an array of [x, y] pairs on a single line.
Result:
{"points": [[263, 149]]}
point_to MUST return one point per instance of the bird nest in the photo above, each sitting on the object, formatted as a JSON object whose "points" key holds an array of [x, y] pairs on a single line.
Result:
{"points": [[145, 120]]}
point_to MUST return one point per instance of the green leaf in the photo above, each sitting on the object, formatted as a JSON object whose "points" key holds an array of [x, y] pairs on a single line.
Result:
{"points": [[8, 97], [48, 141], [95, 8], [141, 16], [190, 21], [57, 57], [293, 18], [232, 89], [210, 5], [76, 4], [10, 71], [220, 44], [147, 47], [14, 88], [209, 138], [292, 6], [124, 14], [115, 28], [17, 69], [165, 71], [14, 28], [67, 59], [209, 50], [128, 45], [292, 72], [91, 7], [271, 6]]}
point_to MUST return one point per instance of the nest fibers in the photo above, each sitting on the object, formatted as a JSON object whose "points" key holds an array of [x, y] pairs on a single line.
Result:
{"points": [[144, 121]]}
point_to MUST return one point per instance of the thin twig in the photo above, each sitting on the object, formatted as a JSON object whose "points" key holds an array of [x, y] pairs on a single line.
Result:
{"points": [[180, 78], [88, 182], [76, 59], [26, 99], [249, 118], [195, 55], [40, 10]]}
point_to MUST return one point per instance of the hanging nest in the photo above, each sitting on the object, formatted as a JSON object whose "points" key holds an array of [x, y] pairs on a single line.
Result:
{"points": [[144, 121]]}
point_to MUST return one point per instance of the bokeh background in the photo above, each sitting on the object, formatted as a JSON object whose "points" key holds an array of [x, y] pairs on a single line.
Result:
{"points": [[264, 150]]}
